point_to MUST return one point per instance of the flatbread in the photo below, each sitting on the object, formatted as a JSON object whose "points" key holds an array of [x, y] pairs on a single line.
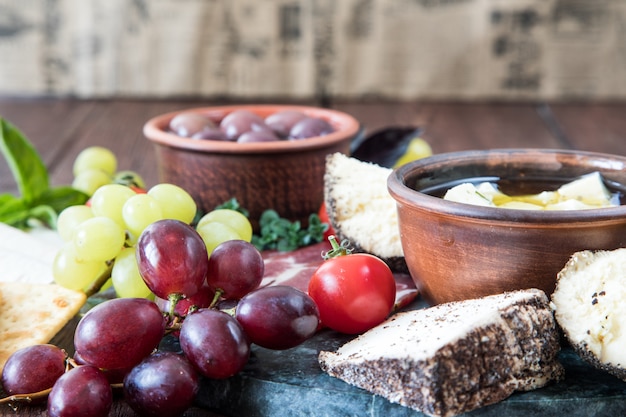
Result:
{"points": [[32, 314]]}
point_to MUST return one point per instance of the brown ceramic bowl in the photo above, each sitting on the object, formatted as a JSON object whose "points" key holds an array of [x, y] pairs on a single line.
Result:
{"points": [[285, 175], [457, 251]]}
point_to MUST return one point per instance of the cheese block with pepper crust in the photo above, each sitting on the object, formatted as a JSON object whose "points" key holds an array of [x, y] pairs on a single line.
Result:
{"points": [[453, 358], [361, 210], [589, 305]]}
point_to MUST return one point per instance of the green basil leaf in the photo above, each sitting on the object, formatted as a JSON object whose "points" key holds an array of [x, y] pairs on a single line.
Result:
{"points": [[28, 169], [16, 217], [43, 213], [8, 201], [60, 198], [12, 205]]}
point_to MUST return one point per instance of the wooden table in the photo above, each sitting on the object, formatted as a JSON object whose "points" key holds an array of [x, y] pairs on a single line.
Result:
{"points": [[60, 128]]}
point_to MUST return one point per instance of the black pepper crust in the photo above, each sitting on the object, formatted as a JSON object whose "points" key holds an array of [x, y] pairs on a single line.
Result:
{"points": [[396, 263], [484, 366], [579, 261], [588, 356]]}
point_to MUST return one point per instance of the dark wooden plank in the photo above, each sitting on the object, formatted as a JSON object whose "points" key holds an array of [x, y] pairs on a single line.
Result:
{"points": [[461, 126], [48, 124], [597, 127]]}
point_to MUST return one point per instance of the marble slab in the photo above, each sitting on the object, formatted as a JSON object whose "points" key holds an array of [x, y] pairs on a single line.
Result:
{"points": [[291, 383]]}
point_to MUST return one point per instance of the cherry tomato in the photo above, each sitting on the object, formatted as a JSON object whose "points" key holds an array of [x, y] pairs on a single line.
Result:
{"points": [[137, 189], [323, 215], [353, 292]]}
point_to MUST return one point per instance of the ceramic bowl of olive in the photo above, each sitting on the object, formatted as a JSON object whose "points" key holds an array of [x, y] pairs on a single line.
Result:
{"points": [[457, 249], [265, 156]]}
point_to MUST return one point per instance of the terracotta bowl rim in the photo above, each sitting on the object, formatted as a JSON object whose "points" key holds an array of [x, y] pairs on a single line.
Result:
{"points": [[513, 217], [346, 128]]}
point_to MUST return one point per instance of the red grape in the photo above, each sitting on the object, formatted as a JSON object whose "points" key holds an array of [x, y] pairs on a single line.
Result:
{"points": [[282, 121], [119, 333], [114, 376], [278, 317], [162, 385], [81, 392], [33, 369], [201, 299], [172, 258], [215, 343], [236, 267], [310, 127]]}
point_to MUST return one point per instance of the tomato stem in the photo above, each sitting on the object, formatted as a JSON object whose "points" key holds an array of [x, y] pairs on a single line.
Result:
{"points": [[338, 249]]}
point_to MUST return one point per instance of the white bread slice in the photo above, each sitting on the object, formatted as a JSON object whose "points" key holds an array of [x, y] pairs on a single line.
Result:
{"points": [[589, 305], [455, 357], [361, 210]]}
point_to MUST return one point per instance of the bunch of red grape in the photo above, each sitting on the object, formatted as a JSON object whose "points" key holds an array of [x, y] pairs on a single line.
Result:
{"points": [[117, 341]]}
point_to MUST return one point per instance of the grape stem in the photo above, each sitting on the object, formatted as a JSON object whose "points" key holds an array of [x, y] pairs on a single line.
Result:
{"points": [[337, 249], [97, 284], [216, 297], [173, 299], [173, 324], [25, 398]]}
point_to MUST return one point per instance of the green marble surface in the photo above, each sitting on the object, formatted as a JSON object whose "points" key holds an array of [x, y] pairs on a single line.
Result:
{"points": [[291, 383]]}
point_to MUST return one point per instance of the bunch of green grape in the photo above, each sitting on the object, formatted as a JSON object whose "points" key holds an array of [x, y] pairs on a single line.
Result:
{"points": [[96, 166], [100, 236]]}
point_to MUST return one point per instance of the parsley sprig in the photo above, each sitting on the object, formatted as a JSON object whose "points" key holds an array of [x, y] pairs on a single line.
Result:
{"points": [[284, 235], [281, 234]]}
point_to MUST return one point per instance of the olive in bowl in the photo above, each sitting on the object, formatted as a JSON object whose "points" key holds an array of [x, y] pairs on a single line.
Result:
{"points": [[285, 175], [456, 251]]}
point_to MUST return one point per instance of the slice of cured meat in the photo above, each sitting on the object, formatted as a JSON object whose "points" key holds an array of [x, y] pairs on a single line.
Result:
{"points": [[295, 268]]}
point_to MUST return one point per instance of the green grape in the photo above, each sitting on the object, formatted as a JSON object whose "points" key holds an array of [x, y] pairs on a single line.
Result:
{"points": [[214, 233], [108, 201], [139, 211], [98, 239], [231, 218], [175, 202], [71, 272], [130, 179], [70, 218], [95, 157], [126, 278], [90, 180]]}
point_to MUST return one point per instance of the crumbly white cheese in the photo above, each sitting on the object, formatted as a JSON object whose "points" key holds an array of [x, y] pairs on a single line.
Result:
{"points": [[589, 303], [420, 334], [585, 192], [363, 206]]}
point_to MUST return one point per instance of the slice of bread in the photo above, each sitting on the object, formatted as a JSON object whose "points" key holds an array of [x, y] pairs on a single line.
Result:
{"points": [[589, 305], [361, 210], [455, 357], [32, 314]]}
